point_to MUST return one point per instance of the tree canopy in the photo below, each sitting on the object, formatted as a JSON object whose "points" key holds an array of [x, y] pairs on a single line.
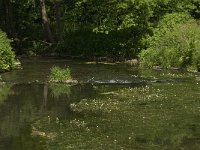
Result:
{"points": [[114, 28]]}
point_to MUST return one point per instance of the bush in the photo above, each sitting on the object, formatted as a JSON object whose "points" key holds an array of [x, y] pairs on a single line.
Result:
{"points": [[7, 56], [59, 75], [175, 43]]}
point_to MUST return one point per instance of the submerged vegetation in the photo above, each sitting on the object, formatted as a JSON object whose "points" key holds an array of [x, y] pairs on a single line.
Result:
{"points": [[144, 117], [140, 115]]}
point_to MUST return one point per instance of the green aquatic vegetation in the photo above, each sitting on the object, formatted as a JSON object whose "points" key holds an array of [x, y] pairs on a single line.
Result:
{"points": [[164, 74], [95, 116], [157, 117], [119, 100], [60, 74]]}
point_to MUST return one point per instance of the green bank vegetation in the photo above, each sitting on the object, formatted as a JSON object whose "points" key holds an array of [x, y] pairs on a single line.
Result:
{"points": [[7, 56], [175, 43], [158, 32]]}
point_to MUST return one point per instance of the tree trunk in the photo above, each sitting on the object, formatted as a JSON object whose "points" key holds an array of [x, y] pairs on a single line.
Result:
{"points": [[9, 18], [59, 25], [46, 26]]}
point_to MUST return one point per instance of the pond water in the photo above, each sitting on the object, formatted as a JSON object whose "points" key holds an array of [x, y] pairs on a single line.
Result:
{"points": [[115, 107]]}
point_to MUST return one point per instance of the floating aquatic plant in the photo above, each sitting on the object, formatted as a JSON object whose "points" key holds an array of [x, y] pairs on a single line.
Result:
{"points": [[59, 74]]}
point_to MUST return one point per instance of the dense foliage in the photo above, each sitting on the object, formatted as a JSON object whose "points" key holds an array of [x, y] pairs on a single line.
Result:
{"points": [[89, 28], [175, 43], [7, 57]]}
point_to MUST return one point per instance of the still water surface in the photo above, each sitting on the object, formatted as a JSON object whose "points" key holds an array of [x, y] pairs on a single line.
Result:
{"points": [[115, 107]]}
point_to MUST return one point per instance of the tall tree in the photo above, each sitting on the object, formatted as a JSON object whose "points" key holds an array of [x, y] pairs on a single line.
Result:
{"points": [[58, 12], [46, 26], [9, 18]]}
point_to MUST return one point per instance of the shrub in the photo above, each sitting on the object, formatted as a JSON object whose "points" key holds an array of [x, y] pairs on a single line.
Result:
{"points": [[195, 46], [175, 43], [7, 56], [59, 75]]}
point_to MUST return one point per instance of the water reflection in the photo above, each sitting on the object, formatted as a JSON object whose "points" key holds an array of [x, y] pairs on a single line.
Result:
{"points": [[28, 103], [5, 90], [58, 90], [110, 114]]}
